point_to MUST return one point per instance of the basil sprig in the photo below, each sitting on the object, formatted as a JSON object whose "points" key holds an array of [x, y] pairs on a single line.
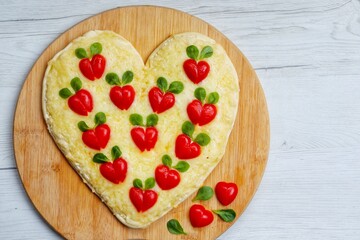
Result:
{"points": [[174, 227], [200, 94], [227, 215], [113, 79], [102, 158], [202, 138], [204, 193], [75, 84], [95, 48], [137, 120], [149, 183], [175, 87], [181, 166], [100, 118], [193, 52]]}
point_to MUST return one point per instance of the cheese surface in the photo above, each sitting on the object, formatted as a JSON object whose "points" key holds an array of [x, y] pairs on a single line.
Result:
{"points": [[166, 61]]}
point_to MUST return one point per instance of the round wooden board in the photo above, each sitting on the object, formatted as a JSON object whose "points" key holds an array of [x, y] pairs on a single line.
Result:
{"points": [[57, 191]]}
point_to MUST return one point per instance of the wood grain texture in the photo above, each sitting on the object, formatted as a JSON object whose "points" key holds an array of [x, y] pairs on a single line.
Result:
{"points": [[58, 193]]}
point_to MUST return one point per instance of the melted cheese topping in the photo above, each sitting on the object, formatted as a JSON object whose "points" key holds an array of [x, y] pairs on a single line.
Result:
{"points": [[166, 61]]}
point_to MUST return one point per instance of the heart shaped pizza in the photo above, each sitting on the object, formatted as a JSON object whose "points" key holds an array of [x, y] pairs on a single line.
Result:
{"points": [[142, 137]]}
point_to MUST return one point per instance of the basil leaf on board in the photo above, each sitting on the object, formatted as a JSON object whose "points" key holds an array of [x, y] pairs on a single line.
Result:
{"points": [[152, 120], [112, 79], [182, 166], [192, 52], [137, 183], [127, 77], [200, 94], [81, 53], [206, 52], [76, 84], [213, 98], [115, 152], [162, 83], [149, 183], [83, 126], [136, 119], [65, 93], [204, 193], [188, 128], [227, 215], [166, 160], [176, 87], [174, 227], [202, 139], [95, 48], [100, 118], [100, 158]]}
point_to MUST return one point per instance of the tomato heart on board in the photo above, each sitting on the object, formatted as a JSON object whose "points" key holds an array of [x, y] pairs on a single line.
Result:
{"points": [[97, 138], [94, 68], [201, 114], [166, 178], [142, 199], [196, 71], [199, 216], [81, 102], [226, 192], [144, 138], [114, 171], [122, 97], [185, 148], [159, 101]]}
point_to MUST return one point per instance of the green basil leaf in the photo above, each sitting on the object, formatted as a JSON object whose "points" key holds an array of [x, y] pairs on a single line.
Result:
{"points": [[95, 48], [204, 193], [127, 77], [162, 83], [100, 158], [136, 119], [76, 84], [138, 183], [149, 183], [227, 215], [166, 160], [200, 94], [112, 79], [188, 128], [206, 52], [202, 139], [115, 152], [81, 53], [65, 93], [213, 98], [83, 126], [152, 120], [182, 166], [100, 118], [174, 227], [192, 52], [176, 87]]}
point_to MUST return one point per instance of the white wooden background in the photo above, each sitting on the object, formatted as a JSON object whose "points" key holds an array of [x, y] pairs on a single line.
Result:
{"points": [[307, 56]]}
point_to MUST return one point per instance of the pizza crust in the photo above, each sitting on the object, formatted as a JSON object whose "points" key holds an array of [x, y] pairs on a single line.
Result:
{"points": [[153, 69]]}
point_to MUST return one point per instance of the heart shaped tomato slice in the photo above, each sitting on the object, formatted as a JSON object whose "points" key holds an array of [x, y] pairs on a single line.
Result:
{"points": [[185, 148], [166, 178], [196, 71], [97, 138], [199, 216], [226, 192]]}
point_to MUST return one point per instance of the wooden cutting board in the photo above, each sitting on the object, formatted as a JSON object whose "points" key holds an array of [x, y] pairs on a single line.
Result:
{"points": [[57, 191]]}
